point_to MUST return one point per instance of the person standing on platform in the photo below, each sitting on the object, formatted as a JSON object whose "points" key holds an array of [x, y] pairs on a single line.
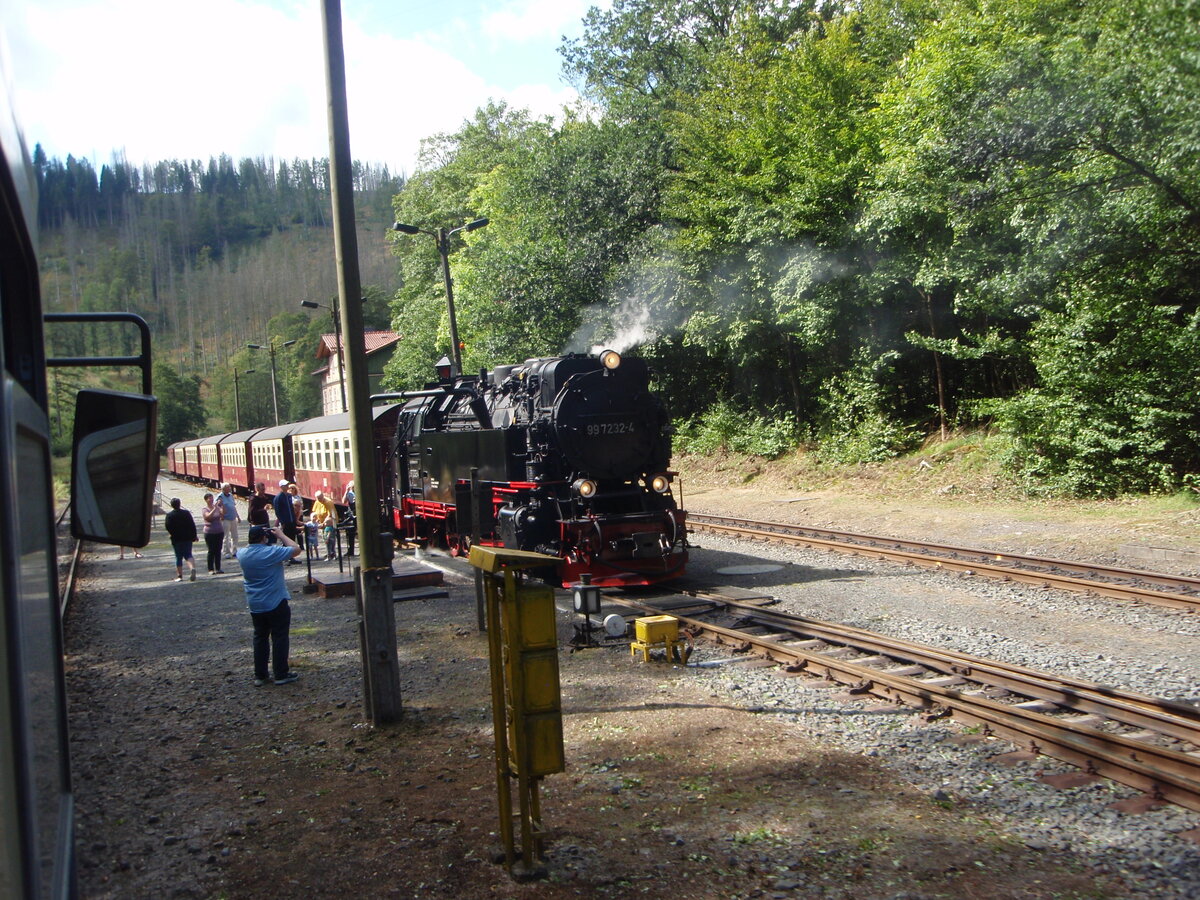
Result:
{"points": [[229, 521], [182, 528], [297, 507], [260, 505], [323, 513], [214, 523], [285, 513], [262, 561], [323, 509]]}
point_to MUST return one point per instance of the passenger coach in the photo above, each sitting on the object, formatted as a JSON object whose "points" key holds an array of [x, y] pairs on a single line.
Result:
{"points": [[315, 454], [237, 467]]}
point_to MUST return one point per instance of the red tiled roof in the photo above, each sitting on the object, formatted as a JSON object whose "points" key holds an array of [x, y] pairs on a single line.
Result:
{"points": [[372, 340]]}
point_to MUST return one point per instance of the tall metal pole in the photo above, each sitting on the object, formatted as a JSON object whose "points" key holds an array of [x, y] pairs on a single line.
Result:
{"points": [[373, 584], [443, 242], [237, 404], [337, 331], [274, 392]]}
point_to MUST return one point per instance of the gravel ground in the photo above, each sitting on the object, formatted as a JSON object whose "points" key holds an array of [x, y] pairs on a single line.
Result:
{"points": [[1139, 648], [718, 780]]}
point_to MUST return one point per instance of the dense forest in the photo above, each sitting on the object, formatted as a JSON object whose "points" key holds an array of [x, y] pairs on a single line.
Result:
{"points": [[853, 225], [849, 226], [213, 256]]}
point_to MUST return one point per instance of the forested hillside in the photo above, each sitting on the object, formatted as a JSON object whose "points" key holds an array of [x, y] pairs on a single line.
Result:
{"points": [[214, 256], [852, 225]]}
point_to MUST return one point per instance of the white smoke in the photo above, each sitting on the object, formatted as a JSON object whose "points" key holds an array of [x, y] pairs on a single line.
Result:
{"points": [[631, 326], [620, 329]]}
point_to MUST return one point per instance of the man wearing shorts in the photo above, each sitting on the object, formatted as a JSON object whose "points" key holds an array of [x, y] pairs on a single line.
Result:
{"points": [[182, 529]]}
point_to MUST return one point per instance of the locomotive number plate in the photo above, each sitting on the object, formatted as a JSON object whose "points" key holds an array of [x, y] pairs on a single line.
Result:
{"points": [[597, 429]]}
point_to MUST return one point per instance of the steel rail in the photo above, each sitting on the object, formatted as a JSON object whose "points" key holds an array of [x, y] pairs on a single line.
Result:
{"points": [[1167, 717], [981, 562], [1170, 775]]}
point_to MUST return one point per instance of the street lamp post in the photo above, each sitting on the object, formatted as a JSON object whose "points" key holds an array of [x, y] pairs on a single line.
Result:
{"points": [[237, 402], [272, 349], [337, 331], [442, 236]]}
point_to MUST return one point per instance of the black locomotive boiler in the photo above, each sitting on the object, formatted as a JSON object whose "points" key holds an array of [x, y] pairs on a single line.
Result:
{"points": [[571, 456]]}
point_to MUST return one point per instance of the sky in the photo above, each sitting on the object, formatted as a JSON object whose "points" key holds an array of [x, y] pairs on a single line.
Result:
{"points": [[192, 79]]}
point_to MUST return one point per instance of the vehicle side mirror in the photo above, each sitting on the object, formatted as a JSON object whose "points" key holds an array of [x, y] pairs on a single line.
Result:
{"points": [[114, 467]]}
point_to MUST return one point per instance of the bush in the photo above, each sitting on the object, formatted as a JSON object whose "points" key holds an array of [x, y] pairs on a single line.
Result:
{"points": [[855, 427], [726, 427], [1116, 410]]}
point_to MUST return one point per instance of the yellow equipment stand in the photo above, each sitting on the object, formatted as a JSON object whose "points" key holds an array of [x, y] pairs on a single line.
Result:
{"points": [[526, 702], [651, 632]]}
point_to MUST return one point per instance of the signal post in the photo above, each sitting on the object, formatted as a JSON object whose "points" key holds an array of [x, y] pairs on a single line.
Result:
{"points": [[373, 580], [526, 700]]}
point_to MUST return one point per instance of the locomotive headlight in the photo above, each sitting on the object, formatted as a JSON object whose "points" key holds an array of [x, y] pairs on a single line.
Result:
{"points": [[660, 484], [610, 359], [585, 488]]}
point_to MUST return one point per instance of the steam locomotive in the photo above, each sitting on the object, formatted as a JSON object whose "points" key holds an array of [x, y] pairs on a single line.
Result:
{"points": [[570, 457]]}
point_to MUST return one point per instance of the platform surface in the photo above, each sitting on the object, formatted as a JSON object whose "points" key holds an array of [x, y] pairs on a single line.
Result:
{"points": [[406, 574]]}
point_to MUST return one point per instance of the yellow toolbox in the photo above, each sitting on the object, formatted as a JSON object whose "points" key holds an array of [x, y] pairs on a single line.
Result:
{"points": [[655, 629]]}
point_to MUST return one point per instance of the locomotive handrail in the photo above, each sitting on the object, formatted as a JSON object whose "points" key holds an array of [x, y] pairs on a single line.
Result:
{"points": [[477, 405]]}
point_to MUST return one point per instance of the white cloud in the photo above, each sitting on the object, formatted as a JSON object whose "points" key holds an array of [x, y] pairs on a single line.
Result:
{"points": [[534, 20], [164, 80]]}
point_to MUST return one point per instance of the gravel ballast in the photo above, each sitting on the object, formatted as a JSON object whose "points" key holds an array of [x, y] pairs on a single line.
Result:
{"points": [[1145, 649]]}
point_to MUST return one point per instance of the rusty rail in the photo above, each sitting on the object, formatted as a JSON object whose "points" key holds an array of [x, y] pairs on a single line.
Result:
{"points": [[1176, 591], [1134, 760]]}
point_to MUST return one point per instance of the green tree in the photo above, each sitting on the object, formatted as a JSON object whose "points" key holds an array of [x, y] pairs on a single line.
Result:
{"points": [[773, 156], [181, 414], [441, 194], [1033, 155]]}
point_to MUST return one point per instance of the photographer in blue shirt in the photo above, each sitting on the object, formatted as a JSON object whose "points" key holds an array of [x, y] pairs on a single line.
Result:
{"points": [[262, 560]]}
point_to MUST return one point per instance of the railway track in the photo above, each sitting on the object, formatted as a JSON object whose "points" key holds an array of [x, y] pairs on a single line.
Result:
{"points": [[1146, 743], [1176, 591]]}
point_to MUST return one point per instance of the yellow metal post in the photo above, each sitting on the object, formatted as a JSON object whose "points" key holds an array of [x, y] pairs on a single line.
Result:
{"points": [[526, 704], [499, 718]]}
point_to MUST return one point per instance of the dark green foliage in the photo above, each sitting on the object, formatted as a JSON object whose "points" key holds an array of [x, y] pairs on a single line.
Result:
{"points": [[725, 427], [885, 218], [1117, 406], [180, 410]]}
